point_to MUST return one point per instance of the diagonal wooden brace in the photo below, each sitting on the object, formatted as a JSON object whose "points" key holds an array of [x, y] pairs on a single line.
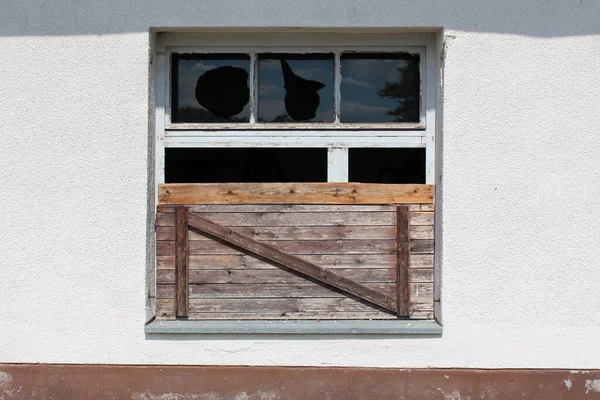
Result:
{"points": [[292, 262]]}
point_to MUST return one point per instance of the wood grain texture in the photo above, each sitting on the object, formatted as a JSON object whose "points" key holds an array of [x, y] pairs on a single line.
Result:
{"points": [[293, 193], [266, 290], [294, 208], [292, 315], [246, 261], [305, 232], [403, 252], [293, 247], [181, 262], [278, 305], [297, 264], [257, 276], [257, 219], [165, 309]]}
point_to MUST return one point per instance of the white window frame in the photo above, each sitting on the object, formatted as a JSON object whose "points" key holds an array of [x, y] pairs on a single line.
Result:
{"points": [[336, 137]]}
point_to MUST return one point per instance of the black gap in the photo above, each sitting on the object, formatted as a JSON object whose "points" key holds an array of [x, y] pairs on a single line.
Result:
{"points": [[218, 165], [387, 165]]}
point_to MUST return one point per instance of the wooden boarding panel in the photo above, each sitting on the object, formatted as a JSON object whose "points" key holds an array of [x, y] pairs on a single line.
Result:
{"points": [[293, 193], [358, 242]]}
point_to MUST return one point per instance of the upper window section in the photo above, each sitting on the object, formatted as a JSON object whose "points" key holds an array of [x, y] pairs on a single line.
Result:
{"points": [[336, 88], [295, 88], [380, 87], [210, 88]]}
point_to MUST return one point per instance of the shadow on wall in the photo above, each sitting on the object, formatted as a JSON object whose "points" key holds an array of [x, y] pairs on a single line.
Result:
{"points": [[548, 19]]}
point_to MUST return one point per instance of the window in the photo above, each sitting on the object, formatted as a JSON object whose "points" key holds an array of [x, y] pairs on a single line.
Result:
{"points": [[304, 109]]}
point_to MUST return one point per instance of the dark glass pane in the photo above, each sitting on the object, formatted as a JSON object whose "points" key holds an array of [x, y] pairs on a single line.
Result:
{"points": [[380, 87], [214, 165], [210, 88], [387, 165], [295, 87]]}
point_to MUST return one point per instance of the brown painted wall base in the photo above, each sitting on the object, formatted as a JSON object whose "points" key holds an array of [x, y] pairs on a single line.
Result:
{"points": [[43, 381]]}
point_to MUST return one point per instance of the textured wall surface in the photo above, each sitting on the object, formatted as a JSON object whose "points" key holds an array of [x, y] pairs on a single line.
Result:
{"points": [[520, 200]]}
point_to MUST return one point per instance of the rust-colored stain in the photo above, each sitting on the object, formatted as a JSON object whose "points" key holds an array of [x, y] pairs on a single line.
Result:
{"points": [[43, 381]]}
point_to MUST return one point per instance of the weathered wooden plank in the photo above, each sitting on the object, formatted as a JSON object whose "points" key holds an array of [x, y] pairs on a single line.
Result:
{"points": [[275, 275], [421, 218], [165, 309], [293, 193], [421, 311], [421, 260], [315, 315], [421, 275], [168, 261], [421, 232], [403, 295], [291, 219], [181, 261], [305, 247], [299, 265], [303, 232], [421, 292], [165, 291], [165, 219], [246, 261], [278, 305], [301, 219], [167, 276], [165, 248], [264, 290], [295, 208], [420, 207], [421, 246]]}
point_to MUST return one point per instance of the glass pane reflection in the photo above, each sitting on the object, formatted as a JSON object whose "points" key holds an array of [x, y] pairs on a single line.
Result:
{"points": [[380, 87], [210, 88], [295, 87]]}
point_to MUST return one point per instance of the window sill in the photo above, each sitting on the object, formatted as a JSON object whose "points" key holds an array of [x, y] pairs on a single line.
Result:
{"points": [[382, 327]]}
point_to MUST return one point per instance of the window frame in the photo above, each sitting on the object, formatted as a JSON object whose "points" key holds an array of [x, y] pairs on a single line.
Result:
{"points": [[336, 137]]}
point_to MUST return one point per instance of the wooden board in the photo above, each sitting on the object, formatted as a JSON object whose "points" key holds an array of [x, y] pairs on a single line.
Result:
{"points": [[245, 261], [293, 247], [278, 305], [293, 193], [358, 242], [305, 232], [292, 219]]}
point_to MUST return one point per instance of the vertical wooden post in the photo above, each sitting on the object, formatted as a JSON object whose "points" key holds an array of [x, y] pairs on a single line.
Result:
{"points": [[181, 263], [403, 250]]}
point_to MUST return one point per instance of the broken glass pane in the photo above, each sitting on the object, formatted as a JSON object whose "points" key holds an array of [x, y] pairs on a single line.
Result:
{"points": [[210, 88], [295, 87], [380, 87]]}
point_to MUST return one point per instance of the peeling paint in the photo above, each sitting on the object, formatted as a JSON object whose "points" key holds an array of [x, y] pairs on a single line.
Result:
{"points": [[454, 395], [568, 383], [592, 386], [259, 395], [5, 378]]}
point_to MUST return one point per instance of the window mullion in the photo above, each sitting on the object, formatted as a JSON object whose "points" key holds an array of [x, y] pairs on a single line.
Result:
{"points": [[337, 164], [253, 87], [337, 81]]}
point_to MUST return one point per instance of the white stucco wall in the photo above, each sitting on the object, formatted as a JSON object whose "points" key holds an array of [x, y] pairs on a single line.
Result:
{"points": [[521, 197]]}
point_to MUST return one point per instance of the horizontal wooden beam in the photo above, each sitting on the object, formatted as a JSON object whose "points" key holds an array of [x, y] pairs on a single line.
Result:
{"points": [[293, 193], [292, 262]]}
